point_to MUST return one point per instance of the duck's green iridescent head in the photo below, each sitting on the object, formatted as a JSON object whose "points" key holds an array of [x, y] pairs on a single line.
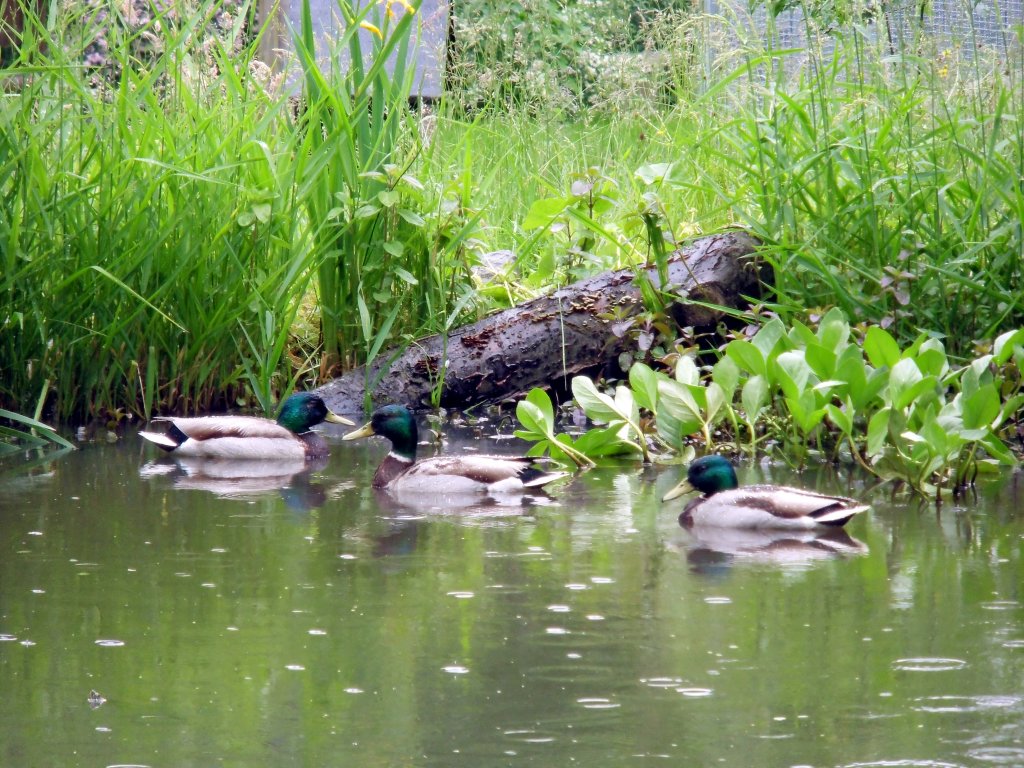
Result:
{"points": [[397, 424], [304, 410], [709, 475]]}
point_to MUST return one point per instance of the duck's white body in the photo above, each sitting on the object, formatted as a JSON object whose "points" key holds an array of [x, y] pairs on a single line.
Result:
{"points": [[771, 507], [234, 437], [459, 475]]}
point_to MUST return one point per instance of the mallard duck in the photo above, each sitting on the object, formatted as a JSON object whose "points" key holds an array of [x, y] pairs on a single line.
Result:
{"points": [[249, 437], [400, 472], [725, 504]]}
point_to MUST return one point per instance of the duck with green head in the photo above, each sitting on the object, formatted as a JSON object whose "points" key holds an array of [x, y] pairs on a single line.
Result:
{"points": [[400, 472], [725, 504], [249, 437]]}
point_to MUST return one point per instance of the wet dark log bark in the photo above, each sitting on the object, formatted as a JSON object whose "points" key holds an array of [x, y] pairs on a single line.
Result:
{"points": [[547, 341]]}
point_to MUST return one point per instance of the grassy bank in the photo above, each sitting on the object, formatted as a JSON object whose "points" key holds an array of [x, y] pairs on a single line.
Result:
{"points": [[176, 238]]}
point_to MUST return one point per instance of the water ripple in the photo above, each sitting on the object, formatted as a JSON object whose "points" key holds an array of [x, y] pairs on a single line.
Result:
{"points": [[928, 664], [940, 704], [904, 764], [999, 755]]}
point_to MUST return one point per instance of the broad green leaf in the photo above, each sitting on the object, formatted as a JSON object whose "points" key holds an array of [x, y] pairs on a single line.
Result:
{"points": [[904, 376], [804, 412], [981, 408], [653, 172], [644, 382], [598, 406], [687, 371], [727, 375], [878, 432], [747, 356], [388, 198], [821, 359], [625, 405], [677, 401], [800, 335], [411, 217], [754, 397], [532, 419], [544, 211], [540, 398], [1004, 345], [607, 441], [792, 372], [834, 330], [931, 358], [769, 335], [881, 348], [840, 417], [716, 402]]}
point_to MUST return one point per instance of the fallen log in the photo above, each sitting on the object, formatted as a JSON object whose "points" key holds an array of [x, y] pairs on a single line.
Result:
{"points": [[547, 341]]}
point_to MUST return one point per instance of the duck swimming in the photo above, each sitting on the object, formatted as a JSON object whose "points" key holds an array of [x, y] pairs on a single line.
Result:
{"points": [[725, 504], [249, 437], [401, 472]]}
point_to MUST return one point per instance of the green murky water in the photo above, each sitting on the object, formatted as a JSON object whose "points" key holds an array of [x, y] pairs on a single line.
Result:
{"points": [[300, 620]]}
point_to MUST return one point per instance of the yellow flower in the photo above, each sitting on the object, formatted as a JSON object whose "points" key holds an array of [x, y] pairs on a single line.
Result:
{"points": [[371, 28], [404, 3]]}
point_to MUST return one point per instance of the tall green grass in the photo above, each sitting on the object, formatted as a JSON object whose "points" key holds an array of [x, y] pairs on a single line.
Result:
{"points": [[186, 236], [885, 184], [145, 229]]}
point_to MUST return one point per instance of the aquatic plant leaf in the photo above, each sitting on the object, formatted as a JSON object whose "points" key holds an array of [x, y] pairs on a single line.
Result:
{"points": [[597, 405], [754, 397], [881, 348], [792, 372], [981, 408], [834, 330], [747, 356], [726, 373], [1005, 345], [644, 382]]}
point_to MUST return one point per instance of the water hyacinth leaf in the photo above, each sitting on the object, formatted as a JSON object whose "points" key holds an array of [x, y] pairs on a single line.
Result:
{"points": [[878, 431], [997, 449], [792, 372], [678, 403], [644, 382], [687, 371], [905, 375], [715, 402], [754, 397], [1005, 344], [768, 337], [747, 356], [834, 330], [881, 348], [626, 406], [605, 441], [726, 373], [804, 412], [821, 359], [931, 358], [597, 405], [840, 417], [535, 415], [800, 335], [981, 408]]}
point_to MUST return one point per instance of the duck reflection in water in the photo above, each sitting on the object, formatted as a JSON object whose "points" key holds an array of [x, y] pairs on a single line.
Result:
{"points": [[246, 480], [712, 549]]}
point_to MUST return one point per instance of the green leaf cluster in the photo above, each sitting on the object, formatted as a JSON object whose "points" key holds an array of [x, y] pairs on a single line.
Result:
{"points": [[904, 414]]}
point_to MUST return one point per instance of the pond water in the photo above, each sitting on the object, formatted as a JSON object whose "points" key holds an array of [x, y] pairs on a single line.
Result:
{"points": [[153, 614]]}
